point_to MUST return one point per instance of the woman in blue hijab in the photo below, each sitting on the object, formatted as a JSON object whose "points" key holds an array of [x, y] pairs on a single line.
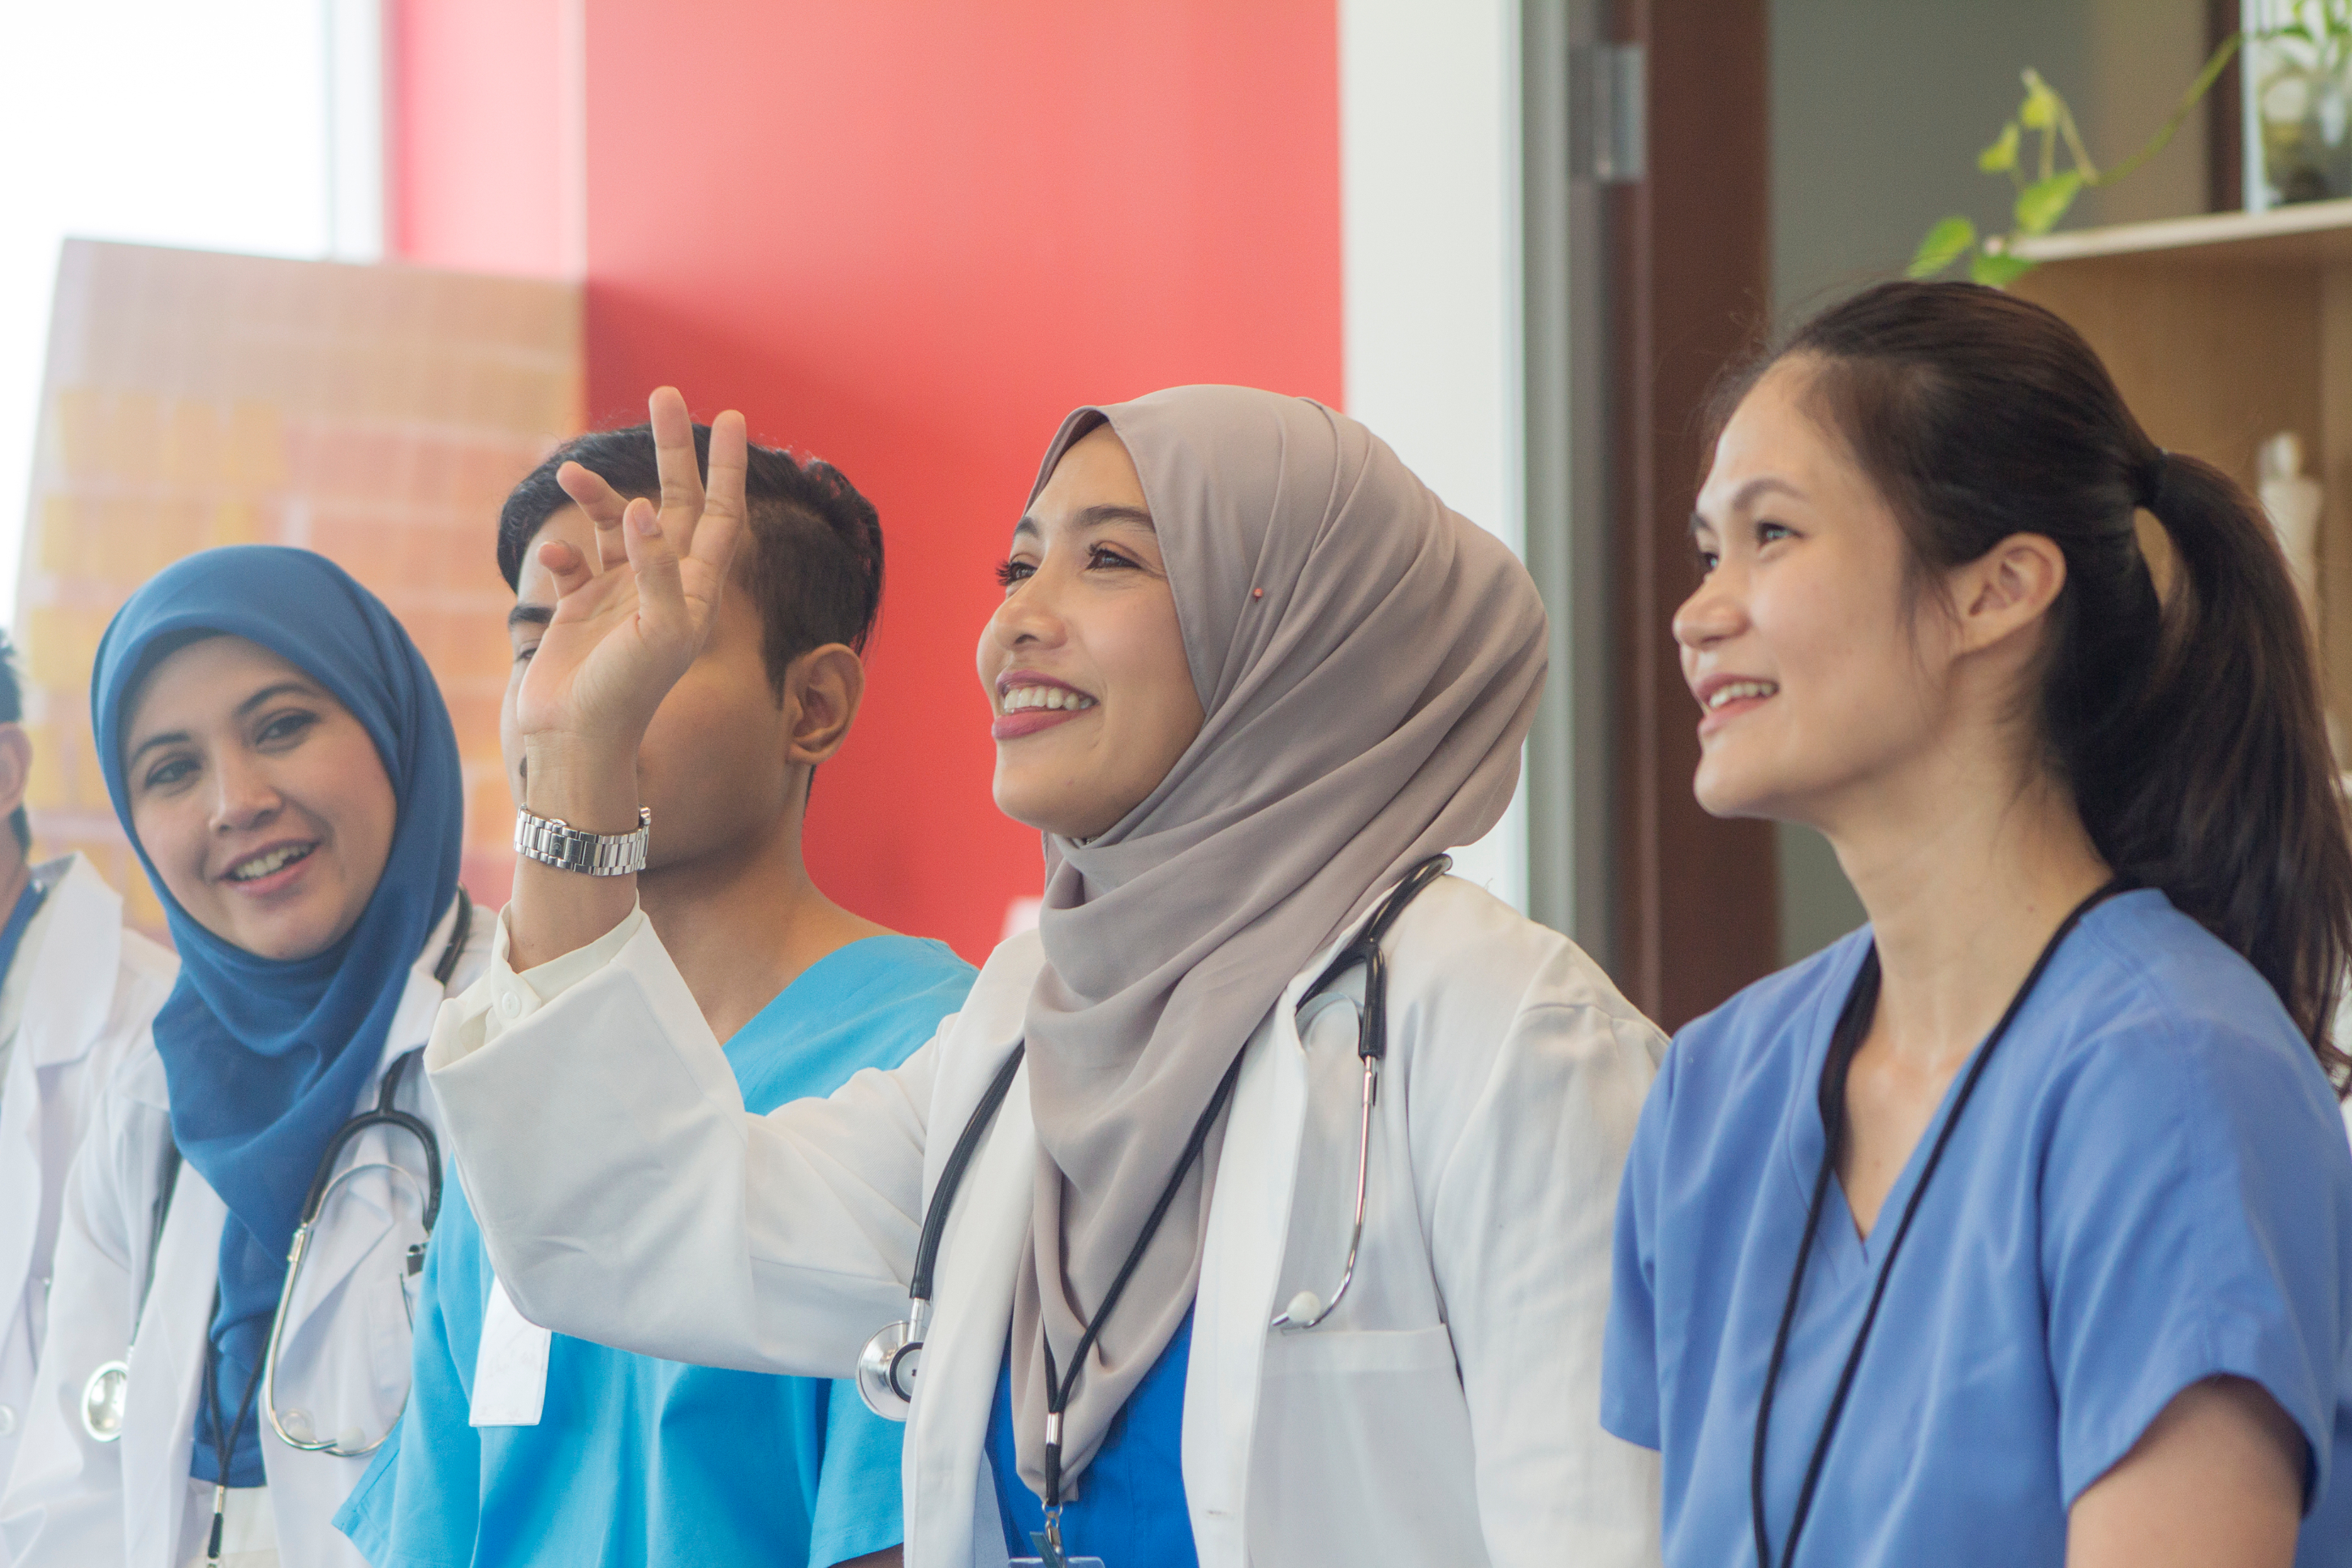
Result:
{"points": [[277, 750]]}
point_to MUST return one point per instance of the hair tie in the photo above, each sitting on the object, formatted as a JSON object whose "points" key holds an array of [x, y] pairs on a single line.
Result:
{"points": [[2152, 475]]}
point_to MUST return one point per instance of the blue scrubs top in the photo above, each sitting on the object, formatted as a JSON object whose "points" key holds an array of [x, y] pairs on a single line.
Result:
{"points": [[1129, 1509], [640, 1461], [2151, 1186]]}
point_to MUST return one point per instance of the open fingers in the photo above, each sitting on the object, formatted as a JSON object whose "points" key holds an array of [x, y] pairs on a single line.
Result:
{"points": [[663, 613], [567, 565], [604, 506], [722, 525], [680, 469]]}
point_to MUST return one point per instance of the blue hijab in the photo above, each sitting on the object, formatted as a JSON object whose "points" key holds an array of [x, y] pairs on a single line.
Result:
{"points": [[267, 1057]]}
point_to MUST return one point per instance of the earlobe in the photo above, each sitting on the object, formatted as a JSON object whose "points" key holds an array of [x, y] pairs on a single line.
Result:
{"points": [[823, 686]]}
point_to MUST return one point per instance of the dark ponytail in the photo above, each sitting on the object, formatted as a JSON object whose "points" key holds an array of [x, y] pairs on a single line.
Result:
{"points": [[2189, 729]]}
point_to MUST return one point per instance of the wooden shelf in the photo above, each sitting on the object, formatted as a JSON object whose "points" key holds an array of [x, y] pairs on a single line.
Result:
{"points": [[2306, 233], [2222, 332]]}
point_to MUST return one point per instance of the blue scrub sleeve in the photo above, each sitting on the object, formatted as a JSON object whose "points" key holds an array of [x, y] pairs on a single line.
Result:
{"points": [[1629, 1347], [423, 1491], [860, 1507], [365, 1518], [2192, 1229]]}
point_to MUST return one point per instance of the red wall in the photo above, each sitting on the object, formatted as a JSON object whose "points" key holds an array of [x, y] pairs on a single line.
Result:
{"points": [[909, 239], [476, 133]]}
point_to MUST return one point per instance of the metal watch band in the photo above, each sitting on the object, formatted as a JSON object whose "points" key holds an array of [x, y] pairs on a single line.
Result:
{"points": [[553, 842]]}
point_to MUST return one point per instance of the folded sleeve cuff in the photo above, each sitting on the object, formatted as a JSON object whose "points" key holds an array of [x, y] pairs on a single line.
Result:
{"points": [[501, 998]]}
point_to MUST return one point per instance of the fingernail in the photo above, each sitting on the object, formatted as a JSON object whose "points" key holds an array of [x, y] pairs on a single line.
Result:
{"points": [[650, 523]]}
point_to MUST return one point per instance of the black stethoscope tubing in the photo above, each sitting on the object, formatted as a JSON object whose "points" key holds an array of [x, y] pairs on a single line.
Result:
{"points": [[102, 1391], [1852, 1024], [892, 1364], [385, 1114]]}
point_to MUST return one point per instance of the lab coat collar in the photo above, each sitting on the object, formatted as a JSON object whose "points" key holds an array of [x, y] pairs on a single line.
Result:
{"points": [[1241, 1265], [363, 1218]]}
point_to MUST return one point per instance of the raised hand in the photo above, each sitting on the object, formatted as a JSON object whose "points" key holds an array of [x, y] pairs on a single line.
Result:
{"points": [[628, 624]]}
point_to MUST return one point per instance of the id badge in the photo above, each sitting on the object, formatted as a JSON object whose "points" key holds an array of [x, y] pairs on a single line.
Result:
{"points": [[1049, 1558]]}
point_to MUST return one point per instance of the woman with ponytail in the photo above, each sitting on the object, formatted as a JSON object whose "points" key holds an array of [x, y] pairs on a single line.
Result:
{"points": [[2017, 1226]]}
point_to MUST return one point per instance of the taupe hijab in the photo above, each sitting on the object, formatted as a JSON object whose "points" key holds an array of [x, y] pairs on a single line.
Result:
{"points": [[1363, 714]]}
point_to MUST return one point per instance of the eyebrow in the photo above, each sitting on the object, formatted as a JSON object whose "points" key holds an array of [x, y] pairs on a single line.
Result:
{"points": [[1094, 517], [1745, 497], [181, 737], [528, 615]]}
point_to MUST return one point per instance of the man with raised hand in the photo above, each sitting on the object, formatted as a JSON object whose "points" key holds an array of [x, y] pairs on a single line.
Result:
{"points": [[524, 1448]]}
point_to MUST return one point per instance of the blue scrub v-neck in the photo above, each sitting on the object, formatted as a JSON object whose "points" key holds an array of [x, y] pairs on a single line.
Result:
{"points": [[2151, 1186], [1131, 1510]]}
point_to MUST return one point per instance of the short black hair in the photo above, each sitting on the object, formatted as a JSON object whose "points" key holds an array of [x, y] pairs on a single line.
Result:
{"points": [[813, 560], [12, 711]]}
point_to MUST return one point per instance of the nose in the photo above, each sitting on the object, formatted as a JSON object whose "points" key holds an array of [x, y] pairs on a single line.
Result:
{"points": [[1029, 617], [243, 795], [1714, 612]]}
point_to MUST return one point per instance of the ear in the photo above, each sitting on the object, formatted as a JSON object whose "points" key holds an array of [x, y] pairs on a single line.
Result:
{"points": [[2008, 589], [15, 767], [821, 690]]}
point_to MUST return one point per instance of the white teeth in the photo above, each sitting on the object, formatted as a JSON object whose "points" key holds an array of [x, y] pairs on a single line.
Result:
{"points": [[1021, 698], [1738, 689], [262, 865]]}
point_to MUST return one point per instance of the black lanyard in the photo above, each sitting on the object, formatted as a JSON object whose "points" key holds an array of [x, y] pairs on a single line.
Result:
{"points": [[1058, 1388], [224, 1436], [1852, 1024]]}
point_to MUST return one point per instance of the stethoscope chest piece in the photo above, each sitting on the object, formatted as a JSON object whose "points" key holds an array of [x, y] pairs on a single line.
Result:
{"points": [[888, 1366], [103, 1398]]}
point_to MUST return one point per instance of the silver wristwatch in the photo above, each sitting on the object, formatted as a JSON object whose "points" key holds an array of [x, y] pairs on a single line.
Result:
{"points": [[553, 842]]}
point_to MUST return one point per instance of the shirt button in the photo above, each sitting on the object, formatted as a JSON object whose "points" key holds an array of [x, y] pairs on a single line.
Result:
{"points": [[7, 1419], [510, 1004]]}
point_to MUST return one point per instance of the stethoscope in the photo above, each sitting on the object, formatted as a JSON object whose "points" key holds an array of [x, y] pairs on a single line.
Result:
{"points": [[107, 1390], [886, 1367]]}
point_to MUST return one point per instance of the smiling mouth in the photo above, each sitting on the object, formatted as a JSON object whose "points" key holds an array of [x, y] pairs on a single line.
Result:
{"points": [[1026, 698], [1738, 690], [268, 862]]}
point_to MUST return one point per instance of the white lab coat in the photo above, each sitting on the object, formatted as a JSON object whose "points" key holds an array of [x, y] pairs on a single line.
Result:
{"points": [[91, 989], [1448, 1413], [75, 1503]]}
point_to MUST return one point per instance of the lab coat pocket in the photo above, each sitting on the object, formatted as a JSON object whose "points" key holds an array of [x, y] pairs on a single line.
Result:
{"points": [[1375, 1417]]}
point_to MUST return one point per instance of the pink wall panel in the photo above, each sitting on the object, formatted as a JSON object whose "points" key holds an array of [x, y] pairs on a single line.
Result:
{"points": [[475, 176], [908, 239]]}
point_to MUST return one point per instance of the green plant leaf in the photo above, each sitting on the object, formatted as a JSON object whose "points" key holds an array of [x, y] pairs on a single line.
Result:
{"points": [[1945, 243], [2002, 156], [2041, 204], [2039, 110], [2000, 271]]}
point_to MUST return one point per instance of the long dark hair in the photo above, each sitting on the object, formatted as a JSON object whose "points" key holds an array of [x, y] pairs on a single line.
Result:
{"points": [[2189, 727]]}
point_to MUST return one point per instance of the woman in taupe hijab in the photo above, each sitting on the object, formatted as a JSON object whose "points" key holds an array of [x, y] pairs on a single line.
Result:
{"points": [[1249, 676]]}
